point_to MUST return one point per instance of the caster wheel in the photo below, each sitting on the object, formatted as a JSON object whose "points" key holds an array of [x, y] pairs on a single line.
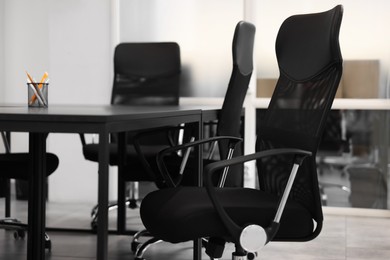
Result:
{"points": [[252, 256], [133, 204], [134, 246], [94, 226], [48, 245], [19, 234]]}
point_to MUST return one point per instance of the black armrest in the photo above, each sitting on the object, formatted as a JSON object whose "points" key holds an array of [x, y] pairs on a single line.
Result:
{"points": [[160, 157], [234, 229]]}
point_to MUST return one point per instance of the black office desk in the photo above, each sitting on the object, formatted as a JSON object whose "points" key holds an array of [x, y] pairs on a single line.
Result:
{"points": [[101, 120]]}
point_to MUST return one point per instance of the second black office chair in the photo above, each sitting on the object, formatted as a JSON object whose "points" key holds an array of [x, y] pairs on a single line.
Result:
{"points": [[146, 74], [16, 166], [287, 207], [228, 124]]}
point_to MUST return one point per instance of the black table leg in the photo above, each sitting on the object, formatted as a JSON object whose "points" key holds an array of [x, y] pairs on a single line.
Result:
{"points": [[199, 154], [37, 197], [102, 229], [121, 219]]}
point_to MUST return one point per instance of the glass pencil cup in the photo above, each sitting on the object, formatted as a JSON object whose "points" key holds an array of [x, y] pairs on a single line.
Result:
{"points": [[38, 94]]}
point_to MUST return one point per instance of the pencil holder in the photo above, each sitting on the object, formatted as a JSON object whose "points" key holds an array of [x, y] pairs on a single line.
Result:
{"points": [[38, 94]]}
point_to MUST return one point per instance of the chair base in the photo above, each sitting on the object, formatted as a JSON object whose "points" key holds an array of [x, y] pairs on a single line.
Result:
{"points": [[139, 248], [20, 230]]}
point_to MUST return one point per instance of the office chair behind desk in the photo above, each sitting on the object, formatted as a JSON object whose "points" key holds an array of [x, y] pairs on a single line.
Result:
{"points": [[16, 166], [145, 74], [287, 207]]}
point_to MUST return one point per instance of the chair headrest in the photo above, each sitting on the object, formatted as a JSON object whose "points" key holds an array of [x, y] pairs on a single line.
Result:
{"points": [[243, 41], [311, 39]]}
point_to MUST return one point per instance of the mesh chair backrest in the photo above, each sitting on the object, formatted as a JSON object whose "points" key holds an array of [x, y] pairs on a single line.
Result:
{"points": [[146, 74], [332, 140], [230, 115], [310, 64]]}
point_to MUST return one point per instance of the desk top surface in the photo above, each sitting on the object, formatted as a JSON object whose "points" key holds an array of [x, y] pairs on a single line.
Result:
{"points": [[95, 118], [93, 113]]}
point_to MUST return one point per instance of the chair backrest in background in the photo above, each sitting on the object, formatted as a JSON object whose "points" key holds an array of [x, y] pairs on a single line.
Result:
{"points": [[146, 74]]}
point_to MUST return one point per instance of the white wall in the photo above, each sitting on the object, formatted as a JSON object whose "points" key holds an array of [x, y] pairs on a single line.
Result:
{"points": [[2, 19], [25, 44], [80, 51], [2, 149], [80, 59]]}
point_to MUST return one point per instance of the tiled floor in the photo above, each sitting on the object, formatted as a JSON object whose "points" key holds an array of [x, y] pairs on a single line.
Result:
{"points": [[344, 236]]}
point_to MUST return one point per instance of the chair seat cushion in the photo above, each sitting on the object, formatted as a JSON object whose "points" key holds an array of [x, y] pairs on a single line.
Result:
{"points": [[16, 165], [186, 213]]}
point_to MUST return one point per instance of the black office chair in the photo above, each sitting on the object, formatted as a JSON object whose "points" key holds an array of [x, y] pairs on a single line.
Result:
{"points": [[284, 209], [16, 166], [228, 124], [146, 74]]}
